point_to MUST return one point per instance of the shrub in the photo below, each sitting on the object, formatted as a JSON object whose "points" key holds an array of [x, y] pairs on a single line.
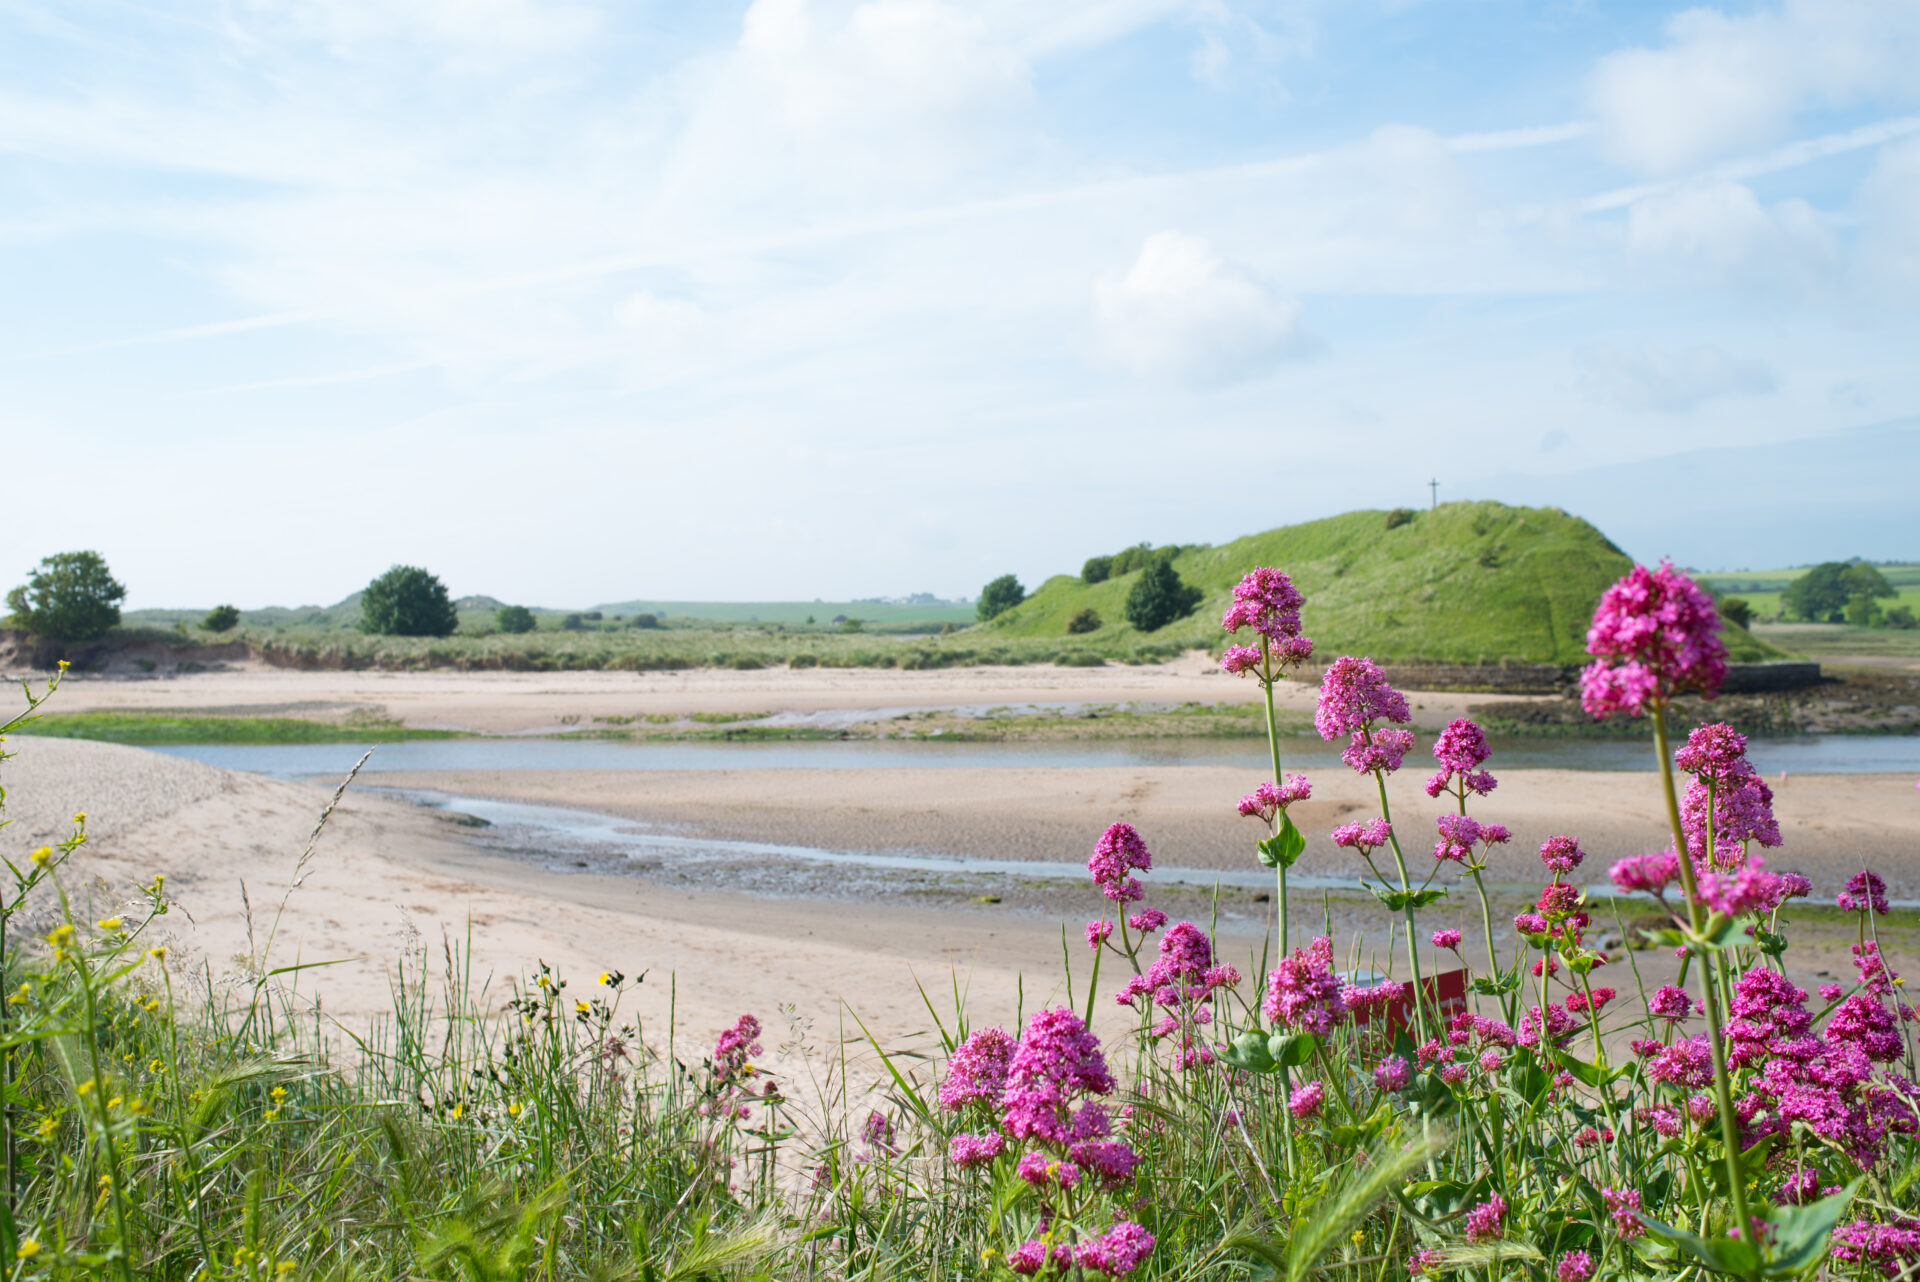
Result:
{"points": [[851, 625], [1098, 569], [1398, 517], [1737, 610], [573, 623], [999, 596], [1079, 659], [407, 601], [745, 663], [804, 661], [1158, 597], [222, 618], [1823, 594], [514, 618], [645, 621], [593, 616], [71, 597], [1862, 610], [1084, 621], [1901, 616]]}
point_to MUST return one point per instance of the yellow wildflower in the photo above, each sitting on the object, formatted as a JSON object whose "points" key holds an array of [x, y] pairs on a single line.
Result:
{"points": [[580, 1008], [513, 1109], [457, 1112], [285, 1267], [29, 1247], [48, 1126], [606, 978], [108, 923], [159, 953], [156, 1066], [271, 1115], [80, 816], [278, 1093], [43, 857], [85, 1088]]}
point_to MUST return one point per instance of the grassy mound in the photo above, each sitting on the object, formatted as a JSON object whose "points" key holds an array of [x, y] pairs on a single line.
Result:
{"points": [[1468, 583]]}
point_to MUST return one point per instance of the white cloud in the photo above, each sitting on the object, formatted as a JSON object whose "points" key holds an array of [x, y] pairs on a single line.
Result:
{"points": [[1889, 206], [1723, 82], [1668, 381], [1721, 231], [1183, 313]]}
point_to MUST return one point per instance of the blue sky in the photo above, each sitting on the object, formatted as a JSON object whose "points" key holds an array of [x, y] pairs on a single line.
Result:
{"points": [[576, 302]]}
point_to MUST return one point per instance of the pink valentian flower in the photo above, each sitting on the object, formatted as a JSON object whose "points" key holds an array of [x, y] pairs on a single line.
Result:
{"points": [[1663, 633], [1098, 932], [1487, 1220], [1561, 854], [1056, 1061], [975, 1150], [1381, 749], [1646, 874], [1446, 939], [1458, 835], [1714, 751], [977, 1069], [1268, 800], [1116, 857], [1267, 602], [1740, 807], [1306, 1099], [1303, 992], [1392, 1074], [1746, 890], [1147, 920], [1363, 836], [1624, 1206], [1865, 892], [1354, 694], [1238, 659], [1574, 1266], [1461, 748]]}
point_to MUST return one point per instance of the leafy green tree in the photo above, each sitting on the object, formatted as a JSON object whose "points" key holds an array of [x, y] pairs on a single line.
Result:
{"points": [[1821, 594], [222, 618], [1737, 610], [653, 621], [1084, 621], [999, 596], [514, 618], [407, 601], [573, 623], [1862, 610], [71, 597], [1158, 597], [1901, 616], [1098, 569]]}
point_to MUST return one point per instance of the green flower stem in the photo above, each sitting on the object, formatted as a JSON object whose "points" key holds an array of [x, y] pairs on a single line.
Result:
{"points": [[1406, 888], [1716, 1042], [1268, 677]]}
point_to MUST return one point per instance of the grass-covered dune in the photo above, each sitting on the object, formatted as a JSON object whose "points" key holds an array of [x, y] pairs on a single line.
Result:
{"points": [[1466, 583]]}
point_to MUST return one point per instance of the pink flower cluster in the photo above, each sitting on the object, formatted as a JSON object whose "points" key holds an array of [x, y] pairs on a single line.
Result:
{"points": [[1749, 888], [1354, 695], [1460, 749], [1266, 602], [1046, 1087], [1303, 992], [735, 1048], [1893, 1247], [1181, 982], [1664, 633], [1458, 835], [1268, 800], [1865, 893], [1561, 854], [1363, 837], [1646, 874], [1118, 854]]}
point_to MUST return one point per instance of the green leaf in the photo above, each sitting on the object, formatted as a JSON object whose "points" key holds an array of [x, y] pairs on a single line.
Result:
{"points": [[1590, 1074], [1724, 1255], [1285, 846], [1291, 1050], [1802, 1234], [1496, 987], [1393, 899], [1249, 1052], [1421, 898]]}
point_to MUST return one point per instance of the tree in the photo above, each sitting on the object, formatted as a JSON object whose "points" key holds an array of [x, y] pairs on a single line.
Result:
{"points": [[1901, 616], [1084, 621], [999, 596], [71, 597], [653, 621], [514, 618], [407, 601], [1822, 593], [1862, 610], [573, 623], [1158, 597], [222, 618], [1737, 610], [1098, 569]]}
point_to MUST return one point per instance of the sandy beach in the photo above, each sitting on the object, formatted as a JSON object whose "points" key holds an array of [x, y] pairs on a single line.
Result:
{"points": [[390, 875]]}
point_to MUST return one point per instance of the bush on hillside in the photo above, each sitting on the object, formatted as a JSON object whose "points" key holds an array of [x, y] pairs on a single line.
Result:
{"points": [[1084, 621], [1901, 617], [1158, 597], [71, 597], [573, 623], [645, 621], [1398, 517], [222, 618], [1737, 610], [999, 596], [407, 601], [514, 618], [1141, 555], [1098, 569]]}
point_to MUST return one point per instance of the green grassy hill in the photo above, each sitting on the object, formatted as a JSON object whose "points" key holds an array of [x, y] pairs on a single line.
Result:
{"points": [[1464, 583]]}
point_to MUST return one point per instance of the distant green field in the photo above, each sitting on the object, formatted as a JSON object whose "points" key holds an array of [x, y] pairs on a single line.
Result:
{"points": [[1748, 582], [477, 615], [1471, 583], [796, 612]]}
